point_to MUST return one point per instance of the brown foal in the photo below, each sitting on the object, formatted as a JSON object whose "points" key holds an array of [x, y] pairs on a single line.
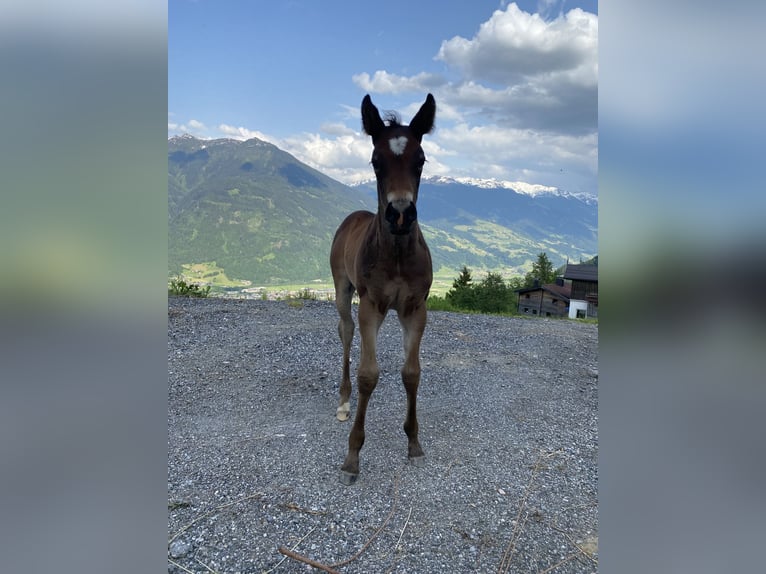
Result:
{"points": [[384, 258]]}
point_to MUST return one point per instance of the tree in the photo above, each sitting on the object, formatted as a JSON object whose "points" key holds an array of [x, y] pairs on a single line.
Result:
{"points": [[462, 294], [493, 295], [464, 279], [542, 271], [515, 283]]}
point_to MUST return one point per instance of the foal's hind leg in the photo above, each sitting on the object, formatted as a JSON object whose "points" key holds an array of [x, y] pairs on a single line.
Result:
{"points": [[343, 294], [413, 325]]}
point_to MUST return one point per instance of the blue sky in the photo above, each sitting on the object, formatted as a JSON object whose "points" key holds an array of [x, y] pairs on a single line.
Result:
{"points": [[516, 84]]}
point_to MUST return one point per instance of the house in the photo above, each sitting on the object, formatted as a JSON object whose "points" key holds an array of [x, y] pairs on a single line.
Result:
{"points": [[583, 300], [548, 300]]}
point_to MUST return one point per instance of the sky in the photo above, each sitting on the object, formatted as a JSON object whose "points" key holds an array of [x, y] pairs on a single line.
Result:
{"points": [[516, 84]]}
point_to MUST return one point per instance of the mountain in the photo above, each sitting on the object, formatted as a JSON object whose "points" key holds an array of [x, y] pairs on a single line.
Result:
{"points": [[251, 211], [248, 212]]}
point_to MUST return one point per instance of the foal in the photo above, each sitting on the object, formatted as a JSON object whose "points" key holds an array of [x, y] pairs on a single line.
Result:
{"points": [[383, 257]]}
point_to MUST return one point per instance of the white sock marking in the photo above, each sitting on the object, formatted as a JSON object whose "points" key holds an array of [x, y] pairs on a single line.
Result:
{"points": [[398, 144], [342, 413]]}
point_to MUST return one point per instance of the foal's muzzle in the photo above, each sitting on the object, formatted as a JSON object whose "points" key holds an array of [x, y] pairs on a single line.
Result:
{"points": [[400, 217]]}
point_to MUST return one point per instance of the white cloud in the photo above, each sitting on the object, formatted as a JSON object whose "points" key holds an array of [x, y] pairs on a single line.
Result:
{"points": [[383, 82], [345, 157], [523, 71], [446, 111], [192, 127], [561, 160], [519, 70], [240, 133], [514, 45], [337, 129]]}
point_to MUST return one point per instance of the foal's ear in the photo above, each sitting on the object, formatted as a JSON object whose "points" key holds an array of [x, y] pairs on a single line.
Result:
{"points": [[423, 122], [371, 121]]}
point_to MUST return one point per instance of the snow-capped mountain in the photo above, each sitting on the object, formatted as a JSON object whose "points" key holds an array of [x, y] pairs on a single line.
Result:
{"points": [[531, 189]]}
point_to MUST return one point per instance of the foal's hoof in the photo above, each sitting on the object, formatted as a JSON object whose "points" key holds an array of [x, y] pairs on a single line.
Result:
{"points": [[348, 478], [343, 411], [418, 461]]}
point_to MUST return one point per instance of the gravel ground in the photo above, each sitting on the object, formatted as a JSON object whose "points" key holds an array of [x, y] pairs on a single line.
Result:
{"points": [[508, 412]]}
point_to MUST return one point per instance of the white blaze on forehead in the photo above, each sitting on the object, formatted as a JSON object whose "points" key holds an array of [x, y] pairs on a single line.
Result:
{"points": [[398, 144]]}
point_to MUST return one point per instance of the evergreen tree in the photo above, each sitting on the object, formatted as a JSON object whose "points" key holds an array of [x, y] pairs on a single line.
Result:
{"points": [[462, 294], [464, 279], [542, 271]]}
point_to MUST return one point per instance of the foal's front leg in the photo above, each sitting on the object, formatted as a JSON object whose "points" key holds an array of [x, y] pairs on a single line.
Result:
{"points": [[413, 326], [370, 320], [343, 293]]}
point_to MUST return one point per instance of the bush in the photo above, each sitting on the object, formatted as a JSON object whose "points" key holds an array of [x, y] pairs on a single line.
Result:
{"points": [[436, 303], [180, 288], [491, 295], [306, 294]]}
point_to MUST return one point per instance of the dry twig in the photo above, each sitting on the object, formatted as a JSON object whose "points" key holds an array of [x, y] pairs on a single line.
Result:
{"points": [[505, 562], [406, 522], [331, 568], [294, 507], [293, 548], [379, 530], [559, 563], [573, 543], [177, 565], [309, 561]]}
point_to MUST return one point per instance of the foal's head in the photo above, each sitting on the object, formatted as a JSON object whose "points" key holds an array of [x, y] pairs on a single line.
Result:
{"points": [[398, 159]]}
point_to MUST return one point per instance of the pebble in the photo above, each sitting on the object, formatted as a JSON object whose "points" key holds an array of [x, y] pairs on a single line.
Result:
{"points": [[179, 548]]}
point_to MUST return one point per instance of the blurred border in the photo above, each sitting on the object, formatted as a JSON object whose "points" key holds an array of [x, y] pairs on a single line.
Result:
{"points": [[83, 231], [83, 235], [682, 320]]}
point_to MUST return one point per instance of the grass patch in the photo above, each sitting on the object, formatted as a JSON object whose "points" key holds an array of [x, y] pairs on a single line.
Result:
{"points": [[210, 274], [296, 299]]}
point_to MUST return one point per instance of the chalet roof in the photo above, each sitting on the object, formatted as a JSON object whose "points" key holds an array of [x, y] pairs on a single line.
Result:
{"points": [[564, 291], [559, 291], [581, 272]]}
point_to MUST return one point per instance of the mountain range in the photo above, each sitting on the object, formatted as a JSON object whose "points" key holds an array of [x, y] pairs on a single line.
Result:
{"points": [[247, 212]]}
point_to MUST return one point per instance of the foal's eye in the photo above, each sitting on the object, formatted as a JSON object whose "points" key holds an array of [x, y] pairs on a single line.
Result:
{"points": [[375, 163]]}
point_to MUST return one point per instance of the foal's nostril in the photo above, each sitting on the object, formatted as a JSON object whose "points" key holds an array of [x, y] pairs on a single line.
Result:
{"points": [[401, 205], [400, 214], [410, 214]]}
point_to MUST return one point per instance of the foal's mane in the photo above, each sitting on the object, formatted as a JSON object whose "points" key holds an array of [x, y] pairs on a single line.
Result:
{"points": [[392, 119]]}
